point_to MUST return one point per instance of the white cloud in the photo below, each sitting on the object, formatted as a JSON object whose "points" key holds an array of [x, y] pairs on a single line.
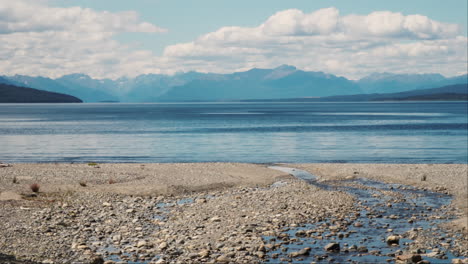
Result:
{"points": [[36, 39], [26, 16], [323, 40], [39, 40]]}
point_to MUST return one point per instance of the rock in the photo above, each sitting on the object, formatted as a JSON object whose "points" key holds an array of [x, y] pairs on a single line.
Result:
{"points": [[302, 252], [163, 246], [362, 249], [106, 204], [332, 247], [262, 248], [200, 200], [215, 219], [204, 253], [222, 259], [393, 240], [408, 259], [301, 233], [358, 224], [424, 262], [141, 243], [97, 260]]}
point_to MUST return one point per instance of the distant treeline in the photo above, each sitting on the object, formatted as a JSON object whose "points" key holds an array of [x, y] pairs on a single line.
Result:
{"points": [[17, 94]]}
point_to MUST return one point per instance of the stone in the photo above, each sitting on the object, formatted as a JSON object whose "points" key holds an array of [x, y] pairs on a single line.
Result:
{"points": [[424, 262], [222, 259], [260, 254], [301, 233], [362, 249], [163, 246], [302, 252], [141, 243], [215, 219], [332, 247], [358, 224], [408, 259], [393, 240], [97, 260], [200, 200], [204, 253]]}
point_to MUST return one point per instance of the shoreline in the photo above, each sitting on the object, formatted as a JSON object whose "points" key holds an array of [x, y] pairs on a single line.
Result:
{"points": [[198, 204]]}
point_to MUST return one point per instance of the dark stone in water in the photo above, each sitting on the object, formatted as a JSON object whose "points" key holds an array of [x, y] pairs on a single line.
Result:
{"points": [[362, 249], [302, 252], [332, 247]]}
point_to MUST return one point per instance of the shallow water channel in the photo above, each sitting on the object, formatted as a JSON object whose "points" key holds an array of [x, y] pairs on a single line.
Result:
{"points": [[383, 210]]}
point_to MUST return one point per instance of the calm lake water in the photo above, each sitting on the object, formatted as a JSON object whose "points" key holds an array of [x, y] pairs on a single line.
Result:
{"points": [[408, 132]]}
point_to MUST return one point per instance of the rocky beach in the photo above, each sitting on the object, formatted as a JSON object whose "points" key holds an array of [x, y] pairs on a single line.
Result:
{"points": [[232, 213]]}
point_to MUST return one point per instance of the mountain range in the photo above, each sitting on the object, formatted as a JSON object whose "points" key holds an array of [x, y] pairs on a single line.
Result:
{"points": [[281, 82]]}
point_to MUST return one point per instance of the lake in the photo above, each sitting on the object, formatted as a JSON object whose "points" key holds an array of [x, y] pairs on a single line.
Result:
{"points": [[383, 132]]}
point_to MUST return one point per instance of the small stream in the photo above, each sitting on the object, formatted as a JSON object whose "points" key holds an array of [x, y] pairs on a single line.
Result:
{"points": [[383, 210]]}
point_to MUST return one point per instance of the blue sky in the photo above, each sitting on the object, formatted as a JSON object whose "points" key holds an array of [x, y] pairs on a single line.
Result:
{"points": [[112, 38], [187, 19]]}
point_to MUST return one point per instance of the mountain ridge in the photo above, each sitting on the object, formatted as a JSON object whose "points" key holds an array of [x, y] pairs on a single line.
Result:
{"points": [[285, 81]]}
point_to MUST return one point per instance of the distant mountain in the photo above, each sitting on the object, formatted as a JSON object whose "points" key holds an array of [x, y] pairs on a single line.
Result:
{"points": [[391, 83], [281, 82], [16, 94], [4, 81], [449, 93], [88, 94]]}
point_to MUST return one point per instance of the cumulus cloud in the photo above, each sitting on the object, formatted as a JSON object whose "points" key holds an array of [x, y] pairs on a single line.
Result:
{"points": [[36, 39], [26, 16], [352, 45]]}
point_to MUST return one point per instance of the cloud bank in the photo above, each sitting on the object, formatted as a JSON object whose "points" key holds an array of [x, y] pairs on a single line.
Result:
{"points": [[36, 39], [323, 40]]}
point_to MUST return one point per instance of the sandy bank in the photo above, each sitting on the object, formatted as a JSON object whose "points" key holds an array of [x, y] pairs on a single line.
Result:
{"points": [[135, 179]]}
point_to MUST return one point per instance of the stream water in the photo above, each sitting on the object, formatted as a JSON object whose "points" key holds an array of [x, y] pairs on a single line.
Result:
{"points": [[384, 209]]}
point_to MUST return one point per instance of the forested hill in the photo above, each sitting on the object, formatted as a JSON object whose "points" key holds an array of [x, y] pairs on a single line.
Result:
{"points": [[17, 94]]}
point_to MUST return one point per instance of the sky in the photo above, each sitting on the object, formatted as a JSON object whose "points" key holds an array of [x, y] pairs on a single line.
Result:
{"points": [[112, 38]]}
